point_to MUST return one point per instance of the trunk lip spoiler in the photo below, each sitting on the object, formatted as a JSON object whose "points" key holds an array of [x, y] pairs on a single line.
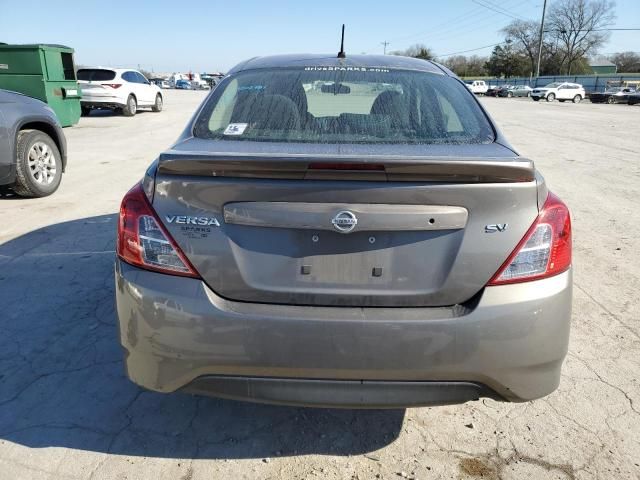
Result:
{"points": [[295, 166]]}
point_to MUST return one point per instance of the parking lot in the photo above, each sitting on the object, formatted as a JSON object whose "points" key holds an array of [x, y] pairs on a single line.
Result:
{"points": [[68, 411]]}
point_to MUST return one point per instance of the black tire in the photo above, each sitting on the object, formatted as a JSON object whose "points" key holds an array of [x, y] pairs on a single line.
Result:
{"points": [[611, 100], [577, 99], [85, 111], [551, 97], [157, 106], [130, 109], [26, 184]]}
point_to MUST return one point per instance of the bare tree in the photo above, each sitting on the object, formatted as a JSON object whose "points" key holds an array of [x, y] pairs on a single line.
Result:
{"points": [[524, 36], [578, 27], [627, 62], [417, 51], [463, 66]]}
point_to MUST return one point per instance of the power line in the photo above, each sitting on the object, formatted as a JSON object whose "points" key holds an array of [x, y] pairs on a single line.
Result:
{"points": [[478, 15], [496, 9], [595, 30], [472, 50]]}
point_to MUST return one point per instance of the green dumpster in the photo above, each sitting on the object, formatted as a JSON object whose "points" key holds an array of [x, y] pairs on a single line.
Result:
{"points": [[45, 72]]}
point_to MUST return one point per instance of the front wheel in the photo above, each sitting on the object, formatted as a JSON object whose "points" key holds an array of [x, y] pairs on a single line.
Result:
{"points": [[38, 164], [611, 100], [551, 97], [157, 106], [577, 99], [130, 109]]}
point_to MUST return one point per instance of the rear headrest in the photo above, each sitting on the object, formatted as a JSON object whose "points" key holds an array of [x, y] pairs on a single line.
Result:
{"points": [[264, 111], [391, 103]]}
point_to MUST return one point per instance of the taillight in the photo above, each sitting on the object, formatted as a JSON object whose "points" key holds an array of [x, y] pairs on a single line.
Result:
{"points": [[144, 242], [112, 85], [545, 249]]}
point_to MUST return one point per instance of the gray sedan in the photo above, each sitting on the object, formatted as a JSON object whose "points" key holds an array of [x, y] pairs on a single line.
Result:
{"points": [[32, 146], [373, 243], [520, 91]]}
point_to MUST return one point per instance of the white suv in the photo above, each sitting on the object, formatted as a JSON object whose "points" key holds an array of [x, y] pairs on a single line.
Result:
{"points": [[561, 91], [117, 88]]}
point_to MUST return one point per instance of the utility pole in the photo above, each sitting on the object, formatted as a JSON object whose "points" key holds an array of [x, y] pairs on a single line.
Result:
{"points": [[385, 43], [544, 9]]}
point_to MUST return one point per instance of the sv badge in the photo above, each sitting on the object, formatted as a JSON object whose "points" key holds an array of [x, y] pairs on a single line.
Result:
{"points": [[495, 227]]}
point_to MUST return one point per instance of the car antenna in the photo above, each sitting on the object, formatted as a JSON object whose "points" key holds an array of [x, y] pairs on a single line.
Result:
{"points": [[341, 53]]}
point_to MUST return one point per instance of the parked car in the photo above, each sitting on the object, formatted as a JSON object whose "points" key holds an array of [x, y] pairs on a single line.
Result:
{"points": [[183, 85], [477, 86], [200, 85], [33, 149], [117, 88], [160, 83], [492, 90], [612, 95], [331, 252], [559, 90], [520, 91], [634, 98]]}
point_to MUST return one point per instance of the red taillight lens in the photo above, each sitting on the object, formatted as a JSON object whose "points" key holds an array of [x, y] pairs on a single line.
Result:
{"points": [[545, 249], [112, 85], [144, 242]]}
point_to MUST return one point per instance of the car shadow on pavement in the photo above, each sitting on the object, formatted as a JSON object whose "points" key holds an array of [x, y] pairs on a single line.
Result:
{"points": [[63, 384]]}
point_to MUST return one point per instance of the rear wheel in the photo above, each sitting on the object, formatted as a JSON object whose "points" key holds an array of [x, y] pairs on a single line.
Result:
{"points": [[38, 164], [611, 100], [130, 109], [577, 99], [551, 97], [85, 111], [157, 106]]}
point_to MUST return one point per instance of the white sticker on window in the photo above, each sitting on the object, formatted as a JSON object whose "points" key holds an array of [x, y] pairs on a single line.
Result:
{"points": [[235, 129]]}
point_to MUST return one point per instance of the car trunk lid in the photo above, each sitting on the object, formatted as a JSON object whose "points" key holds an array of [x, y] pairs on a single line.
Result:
{"points": [[342, 227]]}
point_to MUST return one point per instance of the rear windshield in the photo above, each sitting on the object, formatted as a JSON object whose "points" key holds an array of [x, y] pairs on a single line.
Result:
{"points": [[96, 74], [343, 105]]}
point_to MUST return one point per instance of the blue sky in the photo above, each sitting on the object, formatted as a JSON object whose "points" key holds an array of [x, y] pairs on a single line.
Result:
{"points": [[200, 35]]}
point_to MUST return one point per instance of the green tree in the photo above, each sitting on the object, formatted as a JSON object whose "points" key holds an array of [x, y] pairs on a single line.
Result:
{"points": [[506, 61]]}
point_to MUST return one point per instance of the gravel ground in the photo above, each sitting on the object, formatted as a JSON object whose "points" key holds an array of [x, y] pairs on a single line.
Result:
{"points": [[67, 410]]}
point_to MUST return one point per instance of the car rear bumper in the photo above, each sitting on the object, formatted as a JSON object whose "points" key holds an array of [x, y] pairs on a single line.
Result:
{"points": [[107, 101], [508, 343]]}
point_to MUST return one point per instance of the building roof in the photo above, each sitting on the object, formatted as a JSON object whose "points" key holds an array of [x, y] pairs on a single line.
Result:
{"points": [[331, 60]]}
